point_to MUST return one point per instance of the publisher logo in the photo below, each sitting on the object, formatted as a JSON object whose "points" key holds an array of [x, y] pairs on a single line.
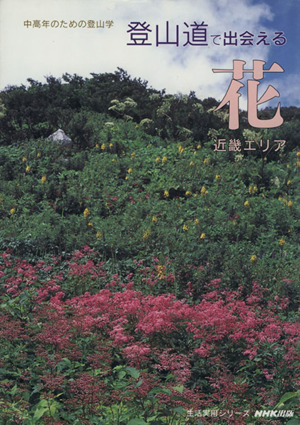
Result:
{"points": [[274, 414]]}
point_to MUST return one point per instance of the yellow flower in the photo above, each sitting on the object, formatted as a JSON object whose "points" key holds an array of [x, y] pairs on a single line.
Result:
{"points": [[136, 127], [146, 234], [113, 160], [12, 211], [90, 224], [188, 193], [246, 204], [111, 145], [166, 193], [154, 219], [103, 146], [86, 213], [27, 169], [298, 153], [289, 182], [196, 221], [132, 155], [129, 170], [196, 195], [38, 155], [198, 146], [43, 179], [206, 161], [24, 159], [290, 203], [192, 163], [287, 165], [98, 235], [185, 228], [97, 146], [160, 271], [253, 189], [203, 191], [253, 258], [218, 176], [281, 242], [157, 159], [180, 149], [263, 195], [202, 236], [164, 159], [126, 178], [279, 198]]}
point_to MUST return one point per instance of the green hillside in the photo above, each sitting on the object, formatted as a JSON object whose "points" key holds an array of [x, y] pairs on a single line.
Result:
{"points": [[140, 209]]}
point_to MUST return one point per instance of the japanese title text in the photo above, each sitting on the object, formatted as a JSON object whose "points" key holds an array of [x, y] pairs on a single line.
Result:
{"points": [[198, 34], [235, 145], [232, 95], [54, 24]]}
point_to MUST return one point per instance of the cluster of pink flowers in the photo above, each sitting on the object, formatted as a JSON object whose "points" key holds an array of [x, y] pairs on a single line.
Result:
{"points": [[158, 334]]}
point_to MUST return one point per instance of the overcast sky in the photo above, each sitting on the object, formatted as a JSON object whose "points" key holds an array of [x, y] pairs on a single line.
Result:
{"points": [[32, 52]]}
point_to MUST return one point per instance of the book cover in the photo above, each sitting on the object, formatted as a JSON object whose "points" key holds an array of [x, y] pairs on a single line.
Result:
{"points": [[149, 212]]}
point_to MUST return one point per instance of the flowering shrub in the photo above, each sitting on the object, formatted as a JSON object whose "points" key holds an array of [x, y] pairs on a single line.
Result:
{"points": [[142, 273], [68, 355], [137, 196]]}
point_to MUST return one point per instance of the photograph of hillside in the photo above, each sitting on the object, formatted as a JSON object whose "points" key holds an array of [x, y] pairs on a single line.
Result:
{"points": [[149, 251], [143, 273]]}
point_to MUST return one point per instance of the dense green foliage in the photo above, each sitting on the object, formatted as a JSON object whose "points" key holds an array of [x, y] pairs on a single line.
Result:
{"points": [[39, 109], [142, 186]]}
